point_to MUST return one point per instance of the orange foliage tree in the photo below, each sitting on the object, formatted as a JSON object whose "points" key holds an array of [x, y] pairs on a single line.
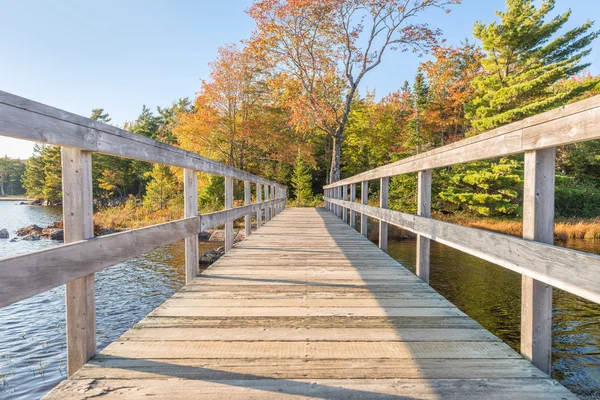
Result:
{"points": [[323, 49]]}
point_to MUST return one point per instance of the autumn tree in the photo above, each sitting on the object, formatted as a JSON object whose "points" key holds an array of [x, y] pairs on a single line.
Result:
{"points": [[324, 50]]}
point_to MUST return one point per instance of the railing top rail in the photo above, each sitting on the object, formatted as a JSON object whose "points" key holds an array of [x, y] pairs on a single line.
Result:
{"points": [[29, 120], [572, 123]]}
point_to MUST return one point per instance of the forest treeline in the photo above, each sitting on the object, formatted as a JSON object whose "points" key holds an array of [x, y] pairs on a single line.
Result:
{"points": [[285, 104]]}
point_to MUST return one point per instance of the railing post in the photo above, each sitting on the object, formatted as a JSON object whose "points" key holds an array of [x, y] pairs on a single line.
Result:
{"points": [[364, 197], [273, 207], [267, 210], [383, 203], [190, 209], [78, 215], [538, 225], [338, 195], [247, 202], [258, 201], [353, 200], [424, 210], [344, 197], [228, 206]]}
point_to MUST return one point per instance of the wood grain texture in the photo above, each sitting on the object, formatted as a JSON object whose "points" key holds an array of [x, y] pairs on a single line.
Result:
{"points": [[190, 209], [307, 307], [78, 212], [423, 210], [26, 119], [259, 208], [247, 202], [384, 184], [26, 275], [538, 225], [353, 200], [228, 221], [364, 199], [570, 270]]}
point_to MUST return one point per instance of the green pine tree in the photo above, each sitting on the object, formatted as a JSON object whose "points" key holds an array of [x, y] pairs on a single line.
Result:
{"points": [[160, 189], [34, 175], [526, 56], [302, 182], [51, 159], [420, 99]]}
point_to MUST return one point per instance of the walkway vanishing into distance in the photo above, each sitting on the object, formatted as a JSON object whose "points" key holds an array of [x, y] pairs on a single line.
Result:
{"points": [[307, 307]]}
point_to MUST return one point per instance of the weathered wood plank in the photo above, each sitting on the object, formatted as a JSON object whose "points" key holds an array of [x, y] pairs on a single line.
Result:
{"points": [[538, 225], [423, 210], [568, 124], [190, 207], [26, 275], [572, 271], [78, 211], [26, 119]]}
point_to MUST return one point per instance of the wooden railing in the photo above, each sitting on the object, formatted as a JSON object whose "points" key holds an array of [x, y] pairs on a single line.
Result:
{"points": [[541, 264], [75, 262]]}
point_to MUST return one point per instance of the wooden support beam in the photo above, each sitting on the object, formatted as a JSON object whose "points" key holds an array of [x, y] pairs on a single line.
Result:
{"points": [[190, 196], [267, 209], [228, 206], [345, 197], [383, 203], [259, 213], [338, 195], [78, 215], [538, 225], [247, 202], [353, 199], [423, 210], [364, 198]]}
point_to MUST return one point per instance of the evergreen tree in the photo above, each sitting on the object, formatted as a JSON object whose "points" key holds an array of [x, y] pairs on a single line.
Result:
{"points": [[98, 114], [51, 160], [160, 189], [525, 58], [34, 176], [302, 182]]}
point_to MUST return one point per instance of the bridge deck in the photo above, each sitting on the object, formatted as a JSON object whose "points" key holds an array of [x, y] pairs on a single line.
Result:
{"points": [[307, 307]]}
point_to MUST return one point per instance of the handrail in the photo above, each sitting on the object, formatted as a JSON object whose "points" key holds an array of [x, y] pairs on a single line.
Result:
{"points": [[572, 123], [82, 255], [25, 119], [541, 264]]}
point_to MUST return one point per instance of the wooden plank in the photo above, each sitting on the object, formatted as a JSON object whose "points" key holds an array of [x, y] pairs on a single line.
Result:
{"points": [[26, 119], [568, 124], [249, 386], [364, 199], [258, 210], [319, 334], [538, 225], [344, 197], [569, 270], [353, 199], [190, 207], [228, 221], [78, 212], [26, 275], [383, 203], [216, 369], [313, 350], [247, 202], [267, 208], [423, 210]]}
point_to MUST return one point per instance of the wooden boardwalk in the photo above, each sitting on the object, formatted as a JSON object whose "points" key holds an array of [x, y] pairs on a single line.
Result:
{"points": [[307, 307]]}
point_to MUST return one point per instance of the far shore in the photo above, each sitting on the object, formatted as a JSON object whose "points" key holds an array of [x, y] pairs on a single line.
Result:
{"points": [[15, 198]]}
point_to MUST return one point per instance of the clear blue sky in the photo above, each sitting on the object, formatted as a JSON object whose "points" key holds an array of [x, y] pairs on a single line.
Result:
{"points": [[121, 54]]}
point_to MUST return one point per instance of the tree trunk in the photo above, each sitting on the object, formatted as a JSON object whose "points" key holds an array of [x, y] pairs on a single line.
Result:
{"points": [[336, 154]]}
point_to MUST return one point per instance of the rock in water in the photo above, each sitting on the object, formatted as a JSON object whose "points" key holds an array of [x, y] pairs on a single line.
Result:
{"points": [[204, 236], [31, 237], [58, 234], [28, 230], [4, 234], [209, 257]]}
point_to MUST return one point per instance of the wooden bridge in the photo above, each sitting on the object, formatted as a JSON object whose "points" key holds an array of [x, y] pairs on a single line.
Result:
{"points": [[306, 306]]}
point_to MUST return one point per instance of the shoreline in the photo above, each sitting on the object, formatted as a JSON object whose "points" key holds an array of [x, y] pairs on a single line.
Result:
{"points": [[15, 198]]}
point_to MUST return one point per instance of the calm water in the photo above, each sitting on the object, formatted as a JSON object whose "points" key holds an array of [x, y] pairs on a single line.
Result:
{"points": [[32, 332], [491, 295]]}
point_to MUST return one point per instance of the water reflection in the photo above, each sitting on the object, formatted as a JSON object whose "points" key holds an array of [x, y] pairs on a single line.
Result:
{"points": [[32, 331], [492, 296]]}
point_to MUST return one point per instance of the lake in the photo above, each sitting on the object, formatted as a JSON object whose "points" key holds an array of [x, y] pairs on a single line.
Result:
{"points": [[32, 332]]}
